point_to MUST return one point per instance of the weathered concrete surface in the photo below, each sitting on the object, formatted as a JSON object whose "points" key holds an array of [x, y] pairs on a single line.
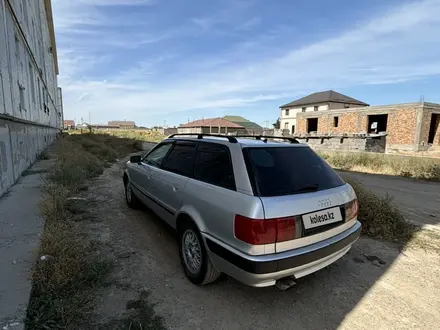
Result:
{"points": [[20, 229], [30, 102], [419, 201]]}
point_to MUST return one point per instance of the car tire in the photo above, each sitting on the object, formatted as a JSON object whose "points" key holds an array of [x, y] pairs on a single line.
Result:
{"points": [[202, 272], [130, 197]]}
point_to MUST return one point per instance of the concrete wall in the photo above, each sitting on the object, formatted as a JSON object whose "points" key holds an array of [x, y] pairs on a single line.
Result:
{"points": [[339, 143], [30, 100], [407, 124]]}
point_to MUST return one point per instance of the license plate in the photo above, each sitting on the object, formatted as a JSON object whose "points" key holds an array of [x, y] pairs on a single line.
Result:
{"points": [[320, 218]]}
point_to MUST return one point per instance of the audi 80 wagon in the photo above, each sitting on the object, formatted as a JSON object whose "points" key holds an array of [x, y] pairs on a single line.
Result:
{"points": [[256, 208]]}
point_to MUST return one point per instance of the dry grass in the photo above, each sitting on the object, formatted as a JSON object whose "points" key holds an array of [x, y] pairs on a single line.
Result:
{"points": [[62, 285], [380, 218], [134, 134], [405, 166]]}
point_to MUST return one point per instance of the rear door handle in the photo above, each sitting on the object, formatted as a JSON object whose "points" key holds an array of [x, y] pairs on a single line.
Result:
{"points": [[174, 189]]}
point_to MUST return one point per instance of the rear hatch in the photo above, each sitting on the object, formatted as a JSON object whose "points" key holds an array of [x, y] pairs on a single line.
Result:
{"points": [[295, 184]]}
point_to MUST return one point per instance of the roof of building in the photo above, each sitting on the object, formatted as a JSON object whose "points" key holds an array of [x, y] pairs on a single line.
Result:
{"points": [[69, 122], [242, 122], [121, 123], [214, 122], [323, 97]]}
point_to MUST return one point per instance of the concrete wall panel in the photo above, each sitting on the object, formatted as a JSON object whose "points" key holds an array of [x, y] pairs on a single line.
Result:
{"points": [[30, 103]]}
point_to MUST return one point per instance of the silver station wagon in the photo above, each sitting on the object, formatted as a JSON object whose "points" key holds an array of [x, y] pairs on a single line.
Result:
{"points": [[260, 210]]}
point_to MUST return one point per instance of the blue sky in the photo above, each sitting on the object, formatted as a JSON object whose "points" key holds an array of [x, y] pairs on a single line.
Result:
{"points": [[167, 61]]}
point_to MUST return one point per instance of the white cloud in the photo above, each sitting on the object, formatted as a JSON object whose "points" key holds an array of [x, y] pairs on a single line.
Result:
{"points": [[395, 47]]}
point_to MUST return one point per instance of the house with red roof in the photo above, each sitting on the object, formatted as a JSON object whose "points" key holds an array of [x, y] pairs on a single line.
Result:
{"points": [[212, 126]]}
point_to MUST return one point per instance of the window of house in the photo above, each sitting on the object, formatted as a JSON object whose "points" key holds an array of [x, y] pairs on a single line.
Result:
{"points": [[22, 104], [180, 160], [286, 125], [40, 97], [31, 78], [293, 129], [213, 165], [312, 125], [335, 121], [287, 112], [303, 109], [156, 157], [315, 108]]}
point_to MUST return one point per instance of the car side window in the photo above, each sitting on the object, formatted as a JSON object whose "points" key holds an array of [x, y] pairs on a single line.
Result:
{"points": [[156, 157], [213, 165], [180, 160]]}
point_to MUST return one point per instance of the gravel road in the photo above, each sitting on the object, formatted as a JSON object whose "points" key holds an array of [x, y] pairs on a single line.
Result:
{"points": [[353, 293], [418, 200]]}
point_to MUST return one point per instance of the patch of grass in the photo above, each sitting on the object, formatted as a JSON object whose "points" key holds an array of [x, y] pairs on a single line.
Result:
{"points": [[62, 286], [405, 166], [139, 315], [380, 218], [61, 293], [133, 134], [74, 165]]}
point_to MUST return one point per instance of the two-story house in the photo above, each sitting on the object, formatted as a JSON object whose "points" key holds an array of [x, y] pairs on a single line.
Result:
{"points": [[328, 100]]}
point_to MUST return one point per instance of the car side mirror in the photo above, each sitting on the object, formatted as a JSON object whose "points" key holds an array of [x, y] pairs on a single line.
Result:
{"points": [[135, 159]]}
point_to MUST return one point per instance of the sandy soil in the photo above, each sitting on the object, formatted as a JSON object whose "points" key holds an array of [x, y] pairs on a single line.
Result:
{"points": [[353, 293]]}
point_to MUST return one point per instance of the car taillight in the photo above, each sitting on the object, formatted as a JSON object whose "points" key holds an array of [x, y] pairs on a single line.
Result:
{"points": [[351, 210], [264, 231]]}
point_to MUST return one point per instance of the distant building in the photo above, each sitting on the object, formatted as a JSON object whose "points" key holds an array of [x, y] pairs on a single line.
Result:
{"points": [[125, 124], [165, 131], [328, 100], [102, 126], [251, 127], [69, 124], [212, 126], [408, 127]]}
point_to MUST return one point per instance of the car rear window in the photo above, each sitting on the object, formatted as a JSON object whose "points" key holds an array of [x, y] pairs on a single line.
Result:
{"points": [[279, 171]]}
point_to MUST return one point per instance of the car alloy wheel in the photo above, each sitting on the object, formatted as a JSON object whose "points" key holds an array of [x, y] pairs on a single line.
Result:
{"points": [[128, 193], [192, 251]]}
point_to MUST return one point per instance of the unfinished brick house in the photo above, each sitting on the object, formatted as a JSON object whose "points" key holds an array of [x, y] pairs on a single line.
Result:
{"points": [[401, 127]]}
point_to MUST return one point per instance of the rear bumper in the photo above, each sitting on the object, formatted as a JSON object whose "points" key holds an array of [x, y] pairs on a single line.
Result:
{"points": [[267, 269]]}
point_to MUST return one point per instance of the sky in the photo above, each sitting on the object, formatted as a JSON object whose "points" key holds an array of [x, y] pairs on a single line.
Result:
{"points": [[164, 62]]}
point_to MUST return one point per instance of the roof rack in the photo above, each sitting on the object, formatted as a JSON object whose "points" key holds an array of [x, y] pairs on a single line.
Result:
{"points": [[230, 138], [264, 138]]}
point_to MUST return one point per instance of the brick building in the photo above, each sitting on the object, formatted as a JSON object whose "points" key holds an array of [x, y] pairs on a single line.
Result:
{"points": [[320, 101], [125, 124], [408, 127], [213, 126]]}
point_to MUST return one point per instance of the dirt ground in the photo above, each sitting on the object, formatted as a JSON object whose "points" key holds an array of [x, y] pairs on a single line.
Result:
{"points": [[148, 285]]}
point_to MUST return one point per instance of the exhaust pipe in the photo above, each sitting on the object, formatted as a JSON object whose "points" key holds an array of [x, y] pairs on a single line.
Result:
{"points": [[285, 283]]}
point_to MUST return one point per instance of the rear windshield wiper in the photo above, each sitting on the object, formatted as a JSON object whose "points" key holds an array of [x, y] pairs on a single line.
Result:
{"points": [[309, 187]]}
